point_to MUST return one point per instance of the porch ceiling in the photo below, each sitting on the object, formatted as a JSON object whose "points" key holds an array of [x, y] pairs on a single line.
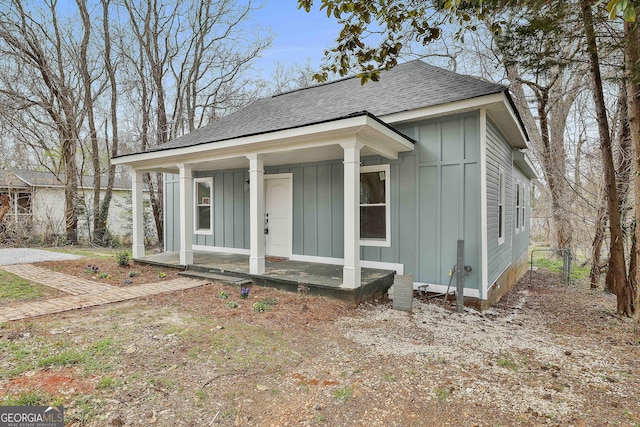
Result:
{"points": [[315, 142]]}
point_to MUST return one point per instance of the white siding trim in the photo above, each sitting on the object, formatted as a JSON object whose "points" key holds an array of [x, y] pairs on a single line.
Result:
{"points": [[220, 249], [399, 268], [164, 212], [484, 247], [444, 109], [304, 137]]}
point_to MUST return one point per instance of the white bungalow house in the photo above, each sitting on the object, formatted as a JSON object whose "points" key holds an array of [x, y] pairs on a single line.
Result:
{"points": [[37, 199], [387, 175]]}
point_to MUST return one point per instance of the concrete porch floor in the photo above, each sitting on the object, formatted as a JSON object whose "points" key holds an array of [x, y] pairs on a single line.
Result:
{"points": [[319, 279]]}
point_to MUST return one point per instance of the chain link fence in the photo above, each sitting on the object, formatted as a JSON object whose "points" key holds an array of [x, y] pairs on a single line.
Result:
{"points": [[556, 260]]}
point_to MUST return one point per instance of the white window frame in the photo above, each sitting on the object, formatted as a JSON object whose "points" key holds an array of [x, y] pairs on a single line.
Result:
{"points": [[501, 201], [387, 189], [196, 204], [523, 198], [518, 204]]}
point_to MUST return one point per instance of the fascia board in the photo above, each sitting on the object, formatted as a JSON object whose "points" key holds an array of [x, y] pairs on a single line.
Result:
{"points": [[317, 135], [443, 109], [238, 143], [515, 117]]}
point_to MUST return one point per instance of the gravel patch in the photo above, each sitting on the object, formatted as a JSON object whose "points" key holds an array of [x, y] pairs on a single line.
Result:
{"points": [[508, 352], [27, 255]]}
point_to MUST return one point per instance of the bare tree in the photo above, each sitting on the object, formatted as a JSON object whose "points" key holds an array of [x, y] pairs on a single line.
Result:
{"points": [[100, 222], [617, 280], [87, 83], [38, 86], [198, 48]]}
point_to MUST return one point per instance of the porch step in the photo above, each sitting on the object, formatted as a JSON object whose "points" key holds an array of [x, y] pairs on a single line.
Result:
{"points": [[231, 280]]}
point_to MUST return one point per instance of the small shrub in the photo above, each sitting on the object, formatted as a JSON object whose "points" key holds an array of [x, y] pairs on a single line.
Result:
{"points": [[127, 281], [104, 275], [133, 273], [261, 306], [123, 258], [232, 304]]}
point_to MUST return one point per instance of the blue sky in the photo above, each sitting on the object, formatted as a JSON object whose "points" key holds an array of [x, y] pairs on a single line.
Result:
{"points": [[299, 35]]}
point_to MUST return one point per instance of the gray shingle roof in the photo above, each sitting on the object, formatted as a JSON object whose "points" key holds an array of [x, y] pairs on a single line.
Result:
{"points": [[406, 87]]}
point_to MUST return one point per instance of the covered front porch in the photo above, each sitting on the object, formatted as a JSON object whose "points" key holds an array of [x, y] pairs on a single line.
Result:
{"points": [[314, 278], [346, 138]]}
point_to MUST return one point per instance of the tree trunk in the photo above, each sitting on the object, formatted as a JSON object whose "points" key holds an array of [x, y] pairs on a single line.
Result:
{"points": [[548, 145], [100, 231], [596, 247], [70, 189], [632, 62], [616, 276], [5, 206], [151, 50]]}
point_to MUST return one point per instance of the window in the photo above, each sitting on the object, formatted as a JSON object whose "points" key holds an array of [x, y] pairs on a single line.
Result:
{"points": [[203, 212], [522, 198], [374, 206], [518, 206], [501, 185]]}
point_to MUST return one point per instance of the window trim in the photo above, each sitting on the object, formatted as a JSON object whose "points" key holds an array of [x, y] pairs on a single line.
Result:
{"points": [[500, 205], [386, 168], [196, 230], [518, 205], [523, 198]]}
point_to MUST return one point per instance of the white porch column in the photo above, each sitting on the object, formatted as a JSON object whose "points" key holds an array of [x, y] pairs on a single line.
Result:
{"points": [[351, 271], [137, 207], [186, 214], [256, 216]]}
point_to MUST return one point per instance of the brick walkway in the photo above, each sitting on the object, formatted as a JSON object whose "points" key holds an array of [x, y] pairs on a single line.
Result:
{"points": [[82, 293]]}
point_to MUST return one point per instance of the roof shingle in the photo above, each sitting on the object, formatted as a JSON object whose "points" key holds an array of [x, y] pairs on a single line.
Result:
{"points": [[408, 86]]}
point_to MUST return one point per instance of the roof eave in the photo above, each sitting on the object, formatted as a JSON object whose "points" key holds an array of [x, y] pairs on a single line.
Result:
{"points": [[322, 133], [522, 160], [498, 104]]}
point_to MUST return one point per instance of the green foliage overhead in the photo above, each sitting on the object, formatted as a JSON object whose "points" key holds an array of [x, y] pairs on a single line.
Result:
{"points": [[627, 8], [374, 33]]}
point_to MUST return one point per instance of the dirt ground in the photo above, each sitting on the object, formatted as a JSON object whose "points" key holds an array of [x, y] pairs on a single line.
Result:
{"points": [[547, 354], [108, 272]]}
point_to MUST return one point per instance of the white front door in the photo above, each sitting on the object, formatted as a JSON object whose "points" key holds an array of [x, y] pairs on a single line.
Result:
{"points": [[278, 214]]}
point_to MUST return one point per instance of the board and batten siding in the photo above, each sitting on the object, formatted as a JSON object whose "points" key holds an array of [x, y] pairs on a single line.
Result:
{"points": [[230, 211], [446, 199], [318, 203], [499, 156], [435, 200]]}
